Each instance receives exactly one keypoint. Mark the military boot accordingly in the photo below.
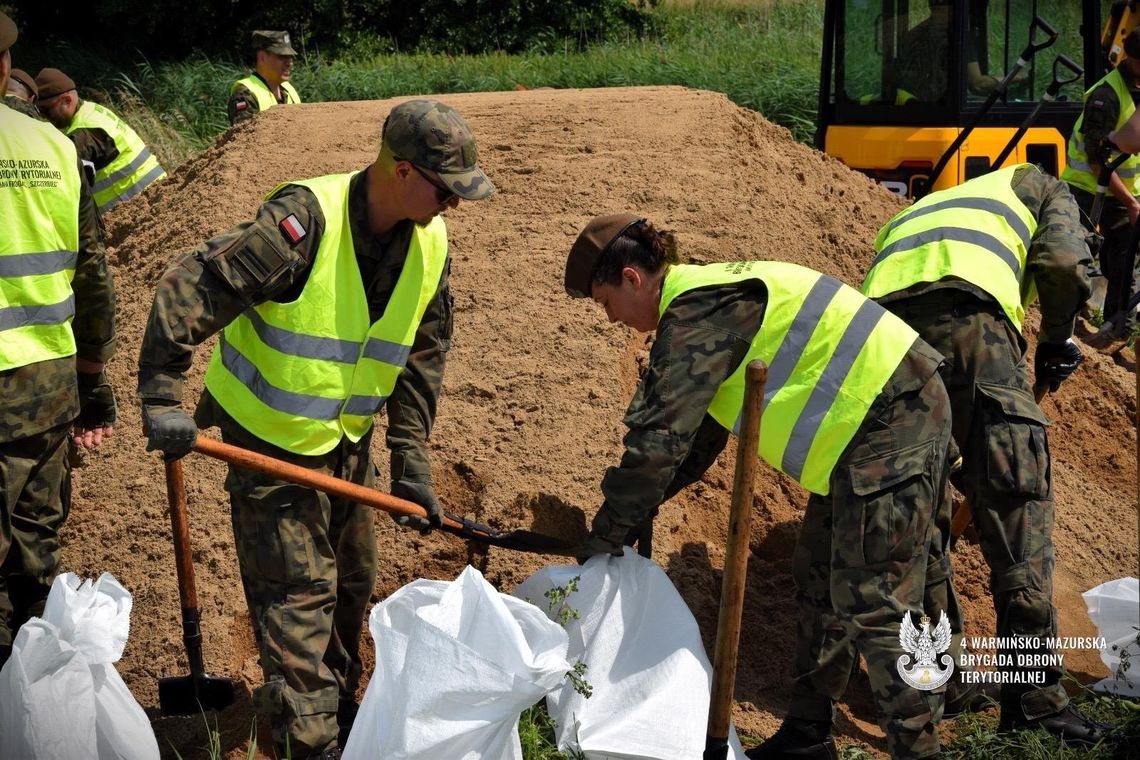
(798, 739)
(1067, 724)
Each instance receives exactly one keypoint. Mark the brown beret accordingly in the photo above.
(592, 242)
(25, 79)
(8, 32)
(52, 82)
(1132, 43)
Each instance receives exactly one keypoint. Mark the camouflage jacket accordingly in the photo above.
(701, 339)
(1058, 258)
(256, 262)
(44, 395)
(243, 104)
(23, 106)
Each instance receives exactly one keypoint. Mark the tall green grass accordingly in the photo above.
(763, 55)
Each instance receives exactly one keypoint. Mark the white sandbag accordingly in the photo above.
(1114, 607)
(645, 663)
(456, 664)
(60, 695)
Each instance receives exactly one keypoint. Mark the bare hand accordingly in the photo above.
(90, 437)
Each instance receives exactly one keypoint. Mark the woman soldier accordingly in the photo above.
(854, 410)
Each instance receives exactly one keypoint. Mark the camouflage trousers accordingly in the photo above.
(308, 565)
(36, 480)
(1005, 474)
(861, 560)
(1113, 257)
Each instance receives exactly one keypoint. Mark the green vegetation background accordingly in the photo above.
(763, 54)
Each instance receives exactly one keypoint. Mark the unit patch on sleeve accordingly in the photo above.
(292, 229)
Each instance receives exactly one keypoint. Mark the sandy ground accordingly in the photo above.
(537, 383)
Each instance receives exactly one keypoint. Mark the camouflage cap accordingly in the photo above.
(434, 137)
(52, 82)
(273, 42)
(592, 242)
(8, 32)
(27, 80)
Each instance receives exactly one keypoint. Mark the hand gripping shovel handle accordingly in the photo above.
(1062, 61)
(963, 515)
(735, 566)
(520, 540)
(1108, 165)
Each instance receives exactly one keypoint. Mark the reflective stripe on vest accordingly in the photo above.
(304, 374)
(829, 352)
(265, 97)
(131, 171)
(39, 206)
(979, 231)
(1078, 172)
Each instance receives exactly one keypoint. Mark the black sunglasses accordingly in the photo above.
(443, 193)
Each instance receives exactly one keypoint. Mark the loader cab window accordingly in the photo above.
(891, 55)
(1000, 31)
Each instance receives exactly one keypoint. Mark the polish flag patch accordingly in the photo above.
(292, 229)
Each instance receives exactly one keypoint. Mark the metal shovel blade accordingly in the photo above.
(190, 695)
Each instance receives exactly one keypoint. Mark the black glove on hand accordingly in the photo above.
(1054, 362)
(169, 429)
(96, 401)
(596, 544)
(422, 494)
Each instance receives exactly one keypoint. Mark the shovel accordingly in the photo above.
(192, 694)
(518, 540)
(735, 566)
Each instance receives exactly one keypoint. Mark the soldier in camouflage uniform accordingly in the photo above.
(21, 93)
(268, 85)
(308, 562)
(959, 267)
(875, 467)
(1102, 113)
(64, 393)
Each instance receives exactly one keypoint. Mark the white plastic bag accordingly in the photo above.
(645, 663)
(60, 695)
(456, 663)
(1114, 607)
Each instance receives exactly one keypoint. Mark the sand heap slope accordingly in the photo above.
(537, 383)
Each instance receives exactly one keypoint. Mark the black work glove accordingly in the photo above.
(169, 429)
(96, 400)
(1054, 362)
(596, 544)
(1106, 151)
(422, 494)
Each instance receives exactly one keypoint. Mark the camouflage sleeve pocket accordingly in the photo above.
(253, 266)
(1017, 456)
(888, 492)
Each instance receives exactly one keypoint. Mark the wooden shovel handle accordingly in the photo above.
(369, 497)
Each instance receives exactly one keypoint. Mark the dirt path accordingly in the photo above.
(537, 383)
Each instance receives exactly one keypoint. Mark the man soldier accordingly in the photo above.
(1108, 105)
(57, 329)
(332, 303)
(122, 163)
(960, 266)
(21, 93)
(269, 84)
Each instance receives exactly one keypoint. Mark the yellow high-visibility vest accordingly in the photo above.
(39, 206)
(131, 171)
(829, 350)
(979, 231)
(304, 374)
(1078, 172)
(265, 98)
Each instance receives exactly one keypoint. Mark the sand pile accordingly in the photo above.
(537, 383)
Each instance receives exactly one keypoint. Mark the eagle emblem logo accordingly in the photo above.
(918, 667)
